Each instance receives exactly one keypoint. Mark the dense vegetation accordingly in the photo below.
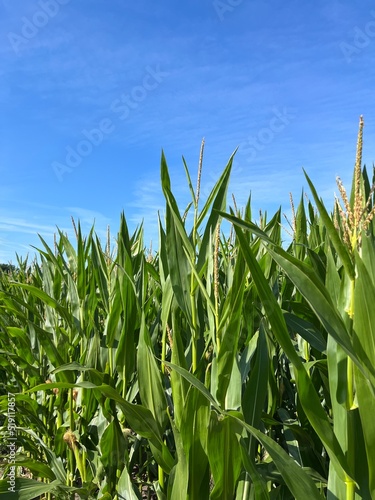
(223, 366)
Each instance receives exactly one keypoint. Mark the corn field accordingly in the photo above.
(223, 366)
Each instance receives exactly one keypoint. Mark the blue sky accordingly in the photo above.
(91, 91)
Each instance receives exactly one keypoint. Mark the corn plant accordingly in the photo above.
(338, 290)
(221, 366)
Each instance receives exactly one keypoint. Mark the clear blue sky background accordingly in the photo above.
(156, 75)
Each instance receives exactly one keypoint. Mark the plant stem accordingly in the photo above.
(123, 383)
(71, 424)
(161, 477)
(110, 360)
(194, 322)
(350, 381)
(216, 284)
(350, 489)
(163, 350)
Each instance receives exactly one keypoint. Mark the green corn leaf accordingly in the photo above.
(247, 355)
(49, 301)
(311, 287)
(177, 243)
(54, 462)
(301, 230)
(308, 395)
(224, 455)
(230, 330)
(75, 366)
(193, 195)
(194, 435)
(38, 469)
(23, 343)
(114, 320)
(172, 204)
(126, 350)
(340, 247)
(149, 376)
(233, 397)
(113, 447)
(100, 272)
(123, 242)
(364, 314)
(256, 389)
(367, 255)
(125, 488)
(295, 477)
(218, 199)
(140, 418)
(201, 284)
(364, 462)
(45, 339)
(258, 482)
(178, 383)
(82, 250)
(179, 476)
(364, 341)
(163, 257)
(26, 489)
(307, 331)
(299, 483)
(195, 382)
(221, 185)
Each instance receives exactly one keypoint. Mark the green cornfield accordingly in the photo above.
(226, 365)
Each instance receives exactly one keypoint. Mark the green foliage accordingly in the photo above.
(220, 367)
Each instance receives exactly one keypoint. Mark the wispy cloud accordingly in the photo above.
(19, 229)
(14, 224)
